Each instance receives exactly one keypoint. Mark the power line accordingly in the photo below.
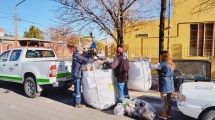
(6, 13)
(23, 16)
(21, 19)
(25, 20)
(6, 9)
(18, 13)
(6, 17)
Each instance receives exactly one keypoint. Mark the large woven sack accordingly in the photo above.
(139, 75)
(99, 88)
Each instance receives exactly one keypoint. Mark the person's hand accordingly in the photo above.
(95, 58)
(101, 62)
(80, 52)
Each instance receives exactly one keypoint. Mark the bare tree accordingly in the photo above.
(110, 16)
(61, 35)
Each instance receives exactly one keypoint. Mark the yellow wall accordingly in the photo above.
(184, 11)
(134, 44)
(179, 41)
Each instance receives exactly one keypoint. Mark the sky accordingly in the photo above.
(31, 12)
(39, 13)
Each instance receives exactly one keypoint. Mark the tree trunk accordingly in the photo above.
(121, 22)
(162, 25)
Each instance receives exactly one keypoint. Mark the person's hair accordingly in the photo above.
(119, 46)
(71, 46)
(167, 58)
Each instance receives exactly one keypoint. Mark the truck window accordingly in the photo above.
(4, 56)
(39, 53)
(15, 55)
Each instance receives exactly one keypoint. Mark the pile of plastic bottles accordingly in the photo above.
(135, 108)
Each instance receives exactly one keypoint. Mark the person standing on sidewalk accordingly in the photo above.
(121, 67)
(166, 84)
(77, 61)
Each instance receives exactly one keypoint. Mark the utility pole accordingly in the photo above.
(162, 25)
(15, 24)
(15, 31)
(168, 27)
(121, 21)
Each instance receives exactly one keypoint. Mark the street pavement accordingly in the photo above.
(54, 104)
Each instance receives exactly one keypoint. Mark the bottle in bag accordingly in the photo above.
(119, 109)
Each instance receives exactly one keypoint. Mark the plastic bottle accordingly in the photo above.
(125, 102)
(119, 109)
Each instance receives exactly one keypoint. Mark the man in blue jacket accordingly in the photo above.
(77, 61)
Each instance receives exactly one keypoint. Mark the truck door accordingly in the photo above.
(3, 62)
(13, 66)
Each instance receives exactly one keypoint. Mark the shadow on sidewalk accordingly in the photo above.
(7, 87)
(55, 94)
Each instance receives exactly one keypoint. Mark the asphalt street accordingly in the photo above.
(54, 104)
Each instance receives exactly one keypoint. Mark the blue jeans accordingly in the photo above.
(122, 91)
(77, 91)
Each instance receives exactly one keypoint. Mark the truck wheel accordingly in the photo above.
(30, 88)
(210, 115)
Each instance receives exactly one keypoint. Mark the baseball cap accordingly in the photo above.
(119, 50)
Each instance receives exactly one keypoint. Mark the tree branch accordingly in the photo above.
(129, 5)
(109, 11)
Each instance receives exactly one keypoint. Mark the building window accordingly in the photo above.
(208, 46)
(201, 39)
(193, 39)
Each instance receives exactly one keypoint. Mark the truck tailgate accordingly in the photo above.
(63, 70)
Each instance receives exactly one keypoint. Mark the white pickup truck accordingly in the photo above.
(35, 68)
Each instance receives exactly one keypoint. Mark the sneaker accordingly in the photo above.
(79, 106)
(169, 116)
(169, 113)
(163, 115)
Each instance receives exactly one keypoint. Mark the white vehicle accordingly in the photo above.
(197, 100)
(35, 68)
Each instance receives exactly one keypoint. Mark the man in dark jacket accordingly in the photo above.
(77, 61)
(121, 66)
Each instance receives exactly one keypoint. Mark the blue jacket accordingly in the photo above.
(77, 61)
(166, 83)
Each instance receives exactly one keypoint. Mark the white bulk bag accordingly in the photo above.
(139, 75)
(98, 88)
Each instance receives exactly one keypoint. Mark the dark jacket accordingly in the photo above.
(120, 66)
(77, 61)
(166, 83)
